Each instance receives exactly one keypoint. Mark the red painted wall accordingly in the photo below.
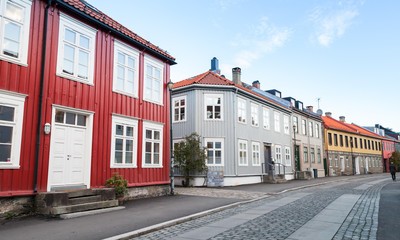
(387, 149)
(98, 98)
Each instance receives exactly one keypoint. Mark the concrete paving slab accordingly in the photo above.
(229, 222)
(317, 230)
(332, 216)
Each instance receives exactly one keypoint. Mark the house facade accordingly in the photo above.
(351, 149)
(81, 97)
(244, 131)
(308, 140)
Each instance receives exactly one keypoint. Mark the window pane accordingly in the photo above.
(148, 134)
(156, 147)
(128, 157)
(6, 113)
(69, 55)
(129, 131)
(70, 36)
(70, 118)
(14, 12)
(130, 82)
(148, 158)
(210, 144)
(120, 78)
(83, 71)
(118, 157)
(209, 112)
(182, 114)
(182, 102)
(5, 134)
(156, 135)
(176, 114)
(156, 158)
(131, 62)
(129, 145)
(5, 153)
(11, 39)
(84, 42)
(217, 112)
(210, 157)
(149, 70)
(218, 160)
(119, 130)
(119, 144)
(83, 64)
(81, 120)
(59, 118)
(148, 147)
(121, 58)
(217, 144)
(157, 73)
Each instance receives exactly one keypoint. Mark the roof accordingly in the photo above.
(332, 123)
(85, 8)
(211, 78)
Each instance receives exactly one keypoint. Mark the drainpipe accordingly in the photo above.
(42, 72)
(234, 131)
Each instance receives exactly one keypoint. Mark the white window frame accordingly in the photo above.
(305, 154)
(242, 110)
(266, 120)
(304, 127)
(336, 161)
(319, 155)
(312, 155)
(317, 130)
(82, 29)
(214, 149)
(214, 96)
(124, 121)
(153, 127)
(296, 123)
(244, 150)
(17, 101)
(153, 63)
(278, 154)
(277, 122)
(254, 114)
(286, 128)
(255, 153)
(288, 161)
(310, 128)
(131, 52)
(22, 58)
(330, 161)
(179, 107)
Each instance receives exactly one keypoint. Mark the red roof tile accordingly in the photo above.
(211, 78)
(83, 6)
(332, 123)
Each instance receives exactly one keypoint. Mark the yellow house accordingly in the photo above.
(351, 149)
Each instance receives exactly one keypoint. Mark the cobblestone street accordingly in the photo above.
(283, 216)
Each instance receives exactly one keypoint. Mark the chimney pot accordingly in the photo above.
(328, 114)
(310, 108)
(342, 118)
(256, 84)
(236, 72)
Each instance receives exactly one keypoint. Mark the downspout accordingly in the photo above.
(235, 134)
(39, 126)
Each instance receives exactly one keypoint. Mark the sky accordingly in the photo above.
(345, 53)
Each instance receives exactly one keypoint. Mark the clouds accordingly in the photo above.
(263, 38)
(331, 23)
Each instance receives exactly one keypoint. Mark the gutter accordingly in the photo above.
(85, 16)
(42, 72)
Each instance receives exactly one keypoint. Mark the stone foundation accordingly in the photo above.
(14, 206)
(147, 192)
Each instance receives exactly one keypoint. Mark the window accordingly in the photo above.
(11, 118)
(254, 114)
(351, 142)
(215, 151)
(153, 80)
(179, 106)
(241, 110)
(347, 161)
(296, 124)
(304, 125)
(376, 146)
(213, 106)
(310, 129)
(319, 155)
(76, 46)
(126, 65)
(312, 155)
(15, 18)
(361, 143)
(369, 144)
(242, 153)
(286, 124)
(266, 118)
(373, 161)
(255, 146)
(330, 160)
(277, 121)
(372, 145)
(69, 118)
(317, 130)
(379, 146)
(362, 161)
(346, 141)
(355, 143)
(365, 143)
(335, 139)
(336, 161)
(369, 162)
(330, 139)
(124, 142)
(287, 156)
(278, 154)
(305, 155)
(152, 145)
(341, 140)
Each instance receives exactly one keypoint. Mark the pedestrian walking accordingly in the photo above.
(392, 170)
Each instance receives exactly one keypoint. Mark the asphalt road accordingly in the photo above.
(389, 212)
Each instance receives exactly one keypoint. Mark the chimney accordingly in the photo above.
(319, 112)
(256, 84)
(342, 118)
(215, 66)
(310, 108)
(328, 114)
(236, 72)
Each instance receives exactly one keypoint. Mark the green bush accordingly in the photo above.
(119, 183)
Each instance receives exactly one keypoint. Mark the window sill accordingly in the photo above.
(152, 166)
(13, 60)
(8, 166)
(69, 77)
(125, 93)
(123, 166)
(154, 102)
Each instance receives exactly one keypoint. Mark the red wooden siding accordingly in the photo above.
(98, 98)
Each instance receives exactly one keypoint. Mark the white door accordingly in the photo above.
(69, 150)
(342, 163)
(357, 162)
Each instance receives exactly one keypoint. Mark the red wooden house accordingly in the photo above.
(388, 147)
(81, 97)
